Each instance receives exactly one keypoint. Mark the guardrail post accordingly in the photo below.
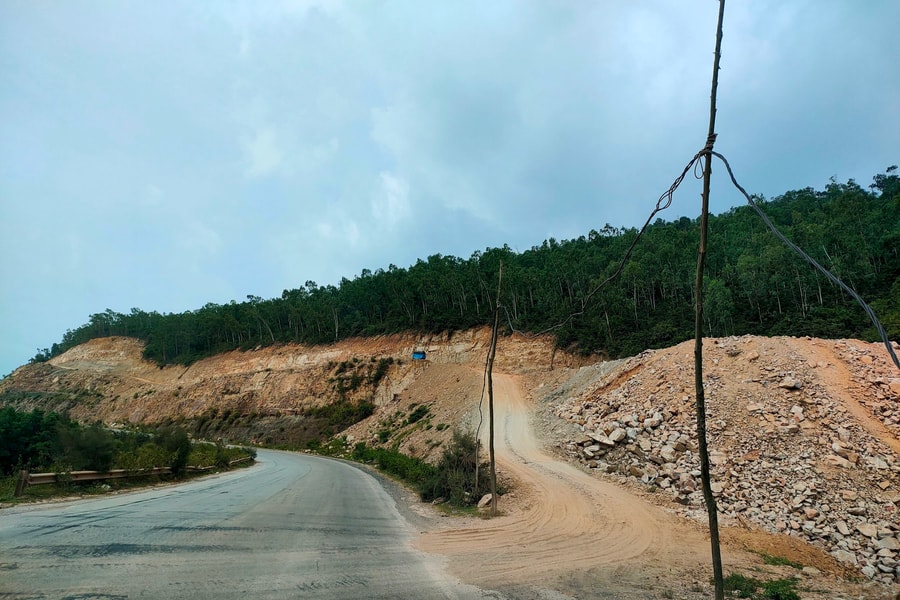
(21, 483)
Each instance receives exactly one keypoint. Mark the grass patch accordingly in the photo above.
(452, 479)
(341, 414)
(741, 585)
(771, 559)
(780, 589)
(749, 587)
(407, 468)
(419, 413)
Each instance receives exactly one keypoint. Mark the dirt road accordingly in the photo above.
(564, 530)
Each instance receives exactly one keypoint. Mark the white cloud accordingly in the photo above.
(152, 196)
(263, 154)
(310, 159)
(351, 233)
(391, 205)
(325, 230)
(300, 8)
(198, 238)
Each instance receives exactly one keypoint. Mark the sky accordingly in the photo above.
(164, 155)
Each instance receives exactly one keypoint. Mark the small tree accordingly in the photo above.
(91, 448)
(175, 440)
(453, 477)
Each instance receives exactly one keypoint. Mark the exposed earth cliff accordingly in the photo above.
(804, 432)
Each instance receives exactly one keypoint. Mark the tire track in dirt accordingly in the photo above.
(563, 520)
(844, 385)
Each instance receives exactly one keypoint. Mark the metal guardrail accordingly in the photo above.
(26, 479)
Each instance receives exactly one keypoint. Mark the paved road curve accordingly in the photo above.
(293, 526)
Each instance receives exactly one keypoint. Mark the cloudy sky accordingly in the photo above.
(163, 155)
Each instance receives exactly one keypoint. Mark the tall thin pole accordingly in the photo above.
(698, 325)
(490, 390)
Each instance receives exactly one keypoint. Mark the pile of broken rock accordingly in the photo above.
(786, 452)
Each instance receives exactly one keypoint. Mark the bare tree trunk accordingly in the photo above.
(490, 390)
(698, 326)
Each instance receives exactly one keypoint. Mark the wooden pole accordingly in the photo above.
(21, 483)
(490, 389)
(698, 326)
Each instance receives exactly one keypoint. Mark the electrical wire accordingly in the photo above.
(833, 278)
(664, 202)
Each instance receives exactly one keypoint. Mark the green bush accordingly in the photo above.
(771, 559)
(175, 441)
(411, 470)
(343, 413)
(147, 456)
(216, 455)
(419, 413)
(28, 440)
(454, 476)
(741, 585)
(381, 370)
(780, 589)
(90, 448)
(746, 587)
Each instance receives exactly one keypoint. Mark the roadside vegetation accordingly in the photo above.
(39, 441)
(741, 586)
(451, 479)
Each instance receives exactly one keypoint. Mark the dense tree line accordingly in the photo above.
(49, 441)
(754, 285)
(39, 440)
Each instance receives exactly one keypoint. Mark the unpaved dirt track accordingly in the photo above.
(565, 530)
(839, 379)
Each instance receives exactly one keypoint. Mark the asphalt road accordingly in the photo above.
(292, 526)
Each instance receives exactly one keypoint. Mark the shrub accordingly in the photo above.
(147, 456)
(417, 414)
(771, 559)
(29, 440)
(412, 470)
(454, 475)
(746, 587)
(343, 413)
(780, 589)
(91, 448)
(741, 585)
(381, 370)
(176, 442)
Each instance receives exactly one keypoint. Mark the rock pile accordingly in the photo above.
(786, 452)
(883, 383)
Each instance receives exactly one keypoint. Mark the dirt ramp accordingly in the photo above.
(561, 522)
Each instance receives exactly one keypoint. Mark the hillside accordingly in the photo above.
(273, 395)
(805, 432)
(755, 285)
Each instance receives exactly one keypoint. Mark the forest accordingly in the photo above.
(49, 441)
(754, 285)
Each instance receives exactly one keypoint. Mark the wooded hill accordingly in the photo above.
(754, 285)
